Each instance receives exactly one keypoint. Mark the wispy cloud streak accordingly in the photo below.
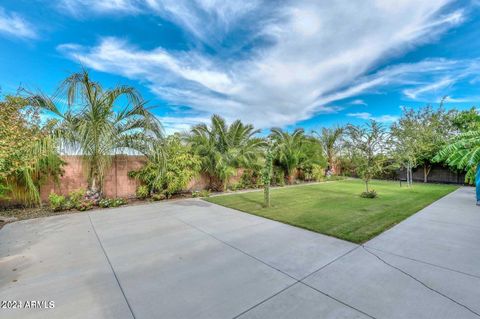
(307, 60)
(14, 25)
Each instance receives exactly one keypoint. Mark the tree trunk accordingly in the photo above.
(290, 177)
(408, 175)
(266, 195)
(426, 171)
(366, 185)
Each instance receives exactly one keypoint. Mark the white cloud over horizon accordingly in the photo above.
(311, 61)
(14, 25)
(368, 116)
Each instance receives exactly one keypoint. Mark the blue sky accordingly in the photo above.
(271, 63)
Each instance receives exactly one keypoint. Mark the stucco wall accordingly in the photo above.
(117, 183)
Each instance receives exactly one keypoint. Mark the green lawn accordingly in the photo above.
(336, 209)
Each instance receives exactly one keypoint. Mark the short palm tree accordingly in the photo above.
(288, 150)
(464, 153)
(94, 126)
(329, 141)
(225, 148)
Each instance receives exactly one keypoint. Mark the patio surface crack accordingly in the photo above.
(420, 282)
(111, 267)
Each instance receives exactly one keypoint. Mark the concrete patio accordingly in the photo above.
(193, 259)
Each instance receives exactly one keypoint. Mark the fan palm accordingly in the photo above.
(289, 151)
(95, 127)
(329, 141)
(225, 148)
(464, 153)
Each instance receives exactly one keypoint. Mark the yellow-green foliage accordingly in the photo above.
(57, 202)
(142, 192)
(181, 166)
(28, 154)
(171, 171)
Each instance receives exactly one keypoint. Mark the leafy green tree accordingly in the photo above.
(367, 147)
(172, 169)
(419, 135)
(329, 140)
(467, 120)
(28, 153)
(96, 127)
(224, 148)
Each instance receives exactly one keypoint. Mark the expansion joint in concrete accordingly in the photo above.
(420, 282)
(111, 267)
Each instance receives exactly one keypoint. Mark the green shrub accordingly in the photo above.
(76, 196)
(142, 192)
(171, 172)
(202, 193)
(69, 205)
(235, 187)
(57, 202)
(318, 173)
(118, 202)
(159, 196)
(369, 194)
(112, 202)
(249, 179)
(85, 205)
(278, 178)
(105, 202)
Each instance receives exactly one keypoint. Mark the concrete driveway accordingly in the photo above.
(193, 259)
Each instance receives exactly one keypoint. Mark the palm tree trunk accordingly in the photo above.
(477, 184)
(290, 178)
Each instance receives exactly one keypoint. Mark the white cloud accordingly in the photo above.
(172, 124)
(81, 7)
(369, 116)
(308, 59)
(14, 25)
(207, 20)
(358, 102)
(438, 86)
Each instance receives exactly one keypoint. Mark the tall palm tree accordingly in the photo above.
(289, 151)
(463, 152)
(224, 148)
(329, 141)
(94, 126)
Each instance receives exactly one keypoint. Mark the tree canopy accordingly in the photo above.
(95, 126)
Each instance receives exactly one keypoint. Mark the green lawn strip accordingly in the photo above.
(336, 209)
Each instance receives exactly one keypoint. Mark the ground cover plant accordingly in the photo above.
(337, 209)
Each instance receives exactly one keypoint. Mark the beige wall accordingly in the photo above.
(117, 183)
